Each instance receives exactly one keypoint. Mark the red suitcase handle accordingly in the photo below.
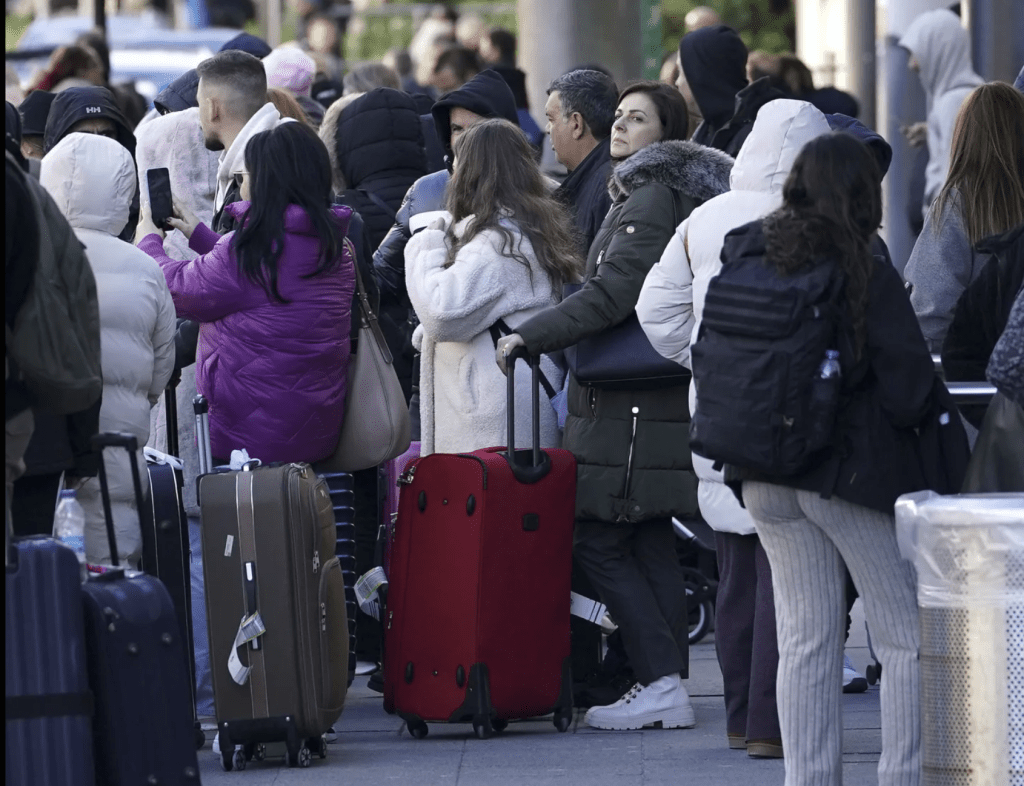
(540, 462)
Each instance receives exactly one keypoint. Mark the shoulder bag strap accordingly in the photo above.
(369, 318)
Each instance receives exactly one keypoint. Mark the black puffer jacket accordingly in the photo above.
(376, 148)
(652, 192)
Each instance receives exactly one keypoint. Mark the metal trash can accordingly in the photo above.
(969, 555)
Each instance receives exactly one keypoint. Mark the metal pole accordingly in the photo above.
(274, 22)
(860, 47)
(996, 26)
(651, 36)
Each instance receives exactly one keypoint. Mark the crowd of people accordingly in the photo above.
(423, 173)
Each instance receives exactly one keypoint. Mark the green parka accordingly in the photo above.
(652, 192)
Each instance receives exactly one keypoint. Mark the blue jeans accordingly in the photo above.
(200, 634)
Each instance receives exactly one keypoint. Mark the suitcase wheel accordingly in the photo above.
(200, 738)
(499, 725)
(563, 720)
(259, 752)
(302, 758)
(321, 746)
(238, 759)
(483, 727)
(418, 729)
(874, 672)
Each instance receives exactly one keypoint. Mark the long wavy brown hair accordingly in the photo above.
(831, 210)
(986, 163)
(497, 180)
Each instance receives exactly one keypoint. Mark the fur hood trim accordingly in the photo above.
(699, 172)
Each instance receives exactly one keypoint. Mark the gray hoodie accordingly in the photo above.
(942, 48)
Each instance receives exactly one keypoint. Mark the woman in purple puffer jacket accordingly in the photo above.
(273, 300)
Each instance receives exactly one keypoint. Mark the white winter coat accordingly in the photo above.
(672, 300)
(942, 48)
(463, 393)
(175, 141)
(92, 180)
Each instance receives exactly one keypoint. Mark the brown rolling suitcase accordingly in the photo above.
(275, 601)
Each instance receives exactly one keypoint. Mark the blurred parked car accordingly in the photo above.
(144, 49)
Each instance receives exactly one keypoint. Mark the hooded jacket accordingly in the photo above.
(274, 373)
(232, 160)
(652, 192)
(463, 403)
(672, 300)
(175, 141)
(942, 48)
(486, 94)
(179, 94)
(92, 180)
(714, 61)
(376, 147)
(86, 103)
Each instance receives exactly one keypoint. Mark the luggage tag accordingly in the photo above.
(367, 588)
(249, 628)
(587, 609)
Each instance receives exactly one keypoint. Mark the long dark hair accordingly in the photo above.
(497, 177)
(832, 207)
(287, 165)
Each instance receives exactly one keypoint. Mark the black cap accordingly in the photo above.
(34, 111)
(246, 42)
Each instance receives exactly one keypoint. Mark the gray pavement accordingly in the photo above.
(373, 749)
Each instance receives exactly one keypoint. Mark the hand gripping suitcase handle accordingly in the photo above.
(130, 443)
(540, 463)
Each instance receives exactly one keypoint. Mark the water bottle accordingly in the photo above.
(824, 402)
(829, 367)
(69, 526)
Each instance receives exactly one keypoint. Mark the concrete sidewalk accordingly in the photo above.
(373, 749)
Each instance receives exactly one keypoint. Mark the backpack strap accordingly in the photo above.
(500, 329)
(392, 214)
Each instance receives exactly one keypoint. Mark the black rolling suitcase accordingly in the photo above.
(48, 702)
(143, 724)
(166, 553)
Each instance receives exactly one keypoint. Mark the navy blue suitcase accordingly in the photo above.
(143, 725)
(48, 702)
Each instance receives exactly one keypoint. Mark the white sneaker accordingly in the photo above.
(365, 667)
(216, 744)
(665, 702)
(853, 682)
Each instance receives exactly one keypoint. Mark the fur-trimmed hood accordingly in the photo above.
(699, 172)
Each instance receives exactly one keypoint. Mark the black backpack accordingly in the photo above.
(761, 404)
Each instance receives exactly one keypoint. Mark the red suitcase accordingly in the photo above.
(389, 474)
(477, 622)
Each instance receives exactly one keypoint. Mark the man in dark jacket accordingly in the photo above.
(484, 96)
(580, 112)
(713, 80)
(92, 110)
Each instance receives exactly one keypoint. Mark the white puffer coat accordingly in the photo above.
(92, 180)
(463, 394)
(672, 300)
(175, 141)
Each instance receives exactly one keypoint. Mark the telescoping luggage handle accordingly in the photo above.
(540, 462)
(130, 443)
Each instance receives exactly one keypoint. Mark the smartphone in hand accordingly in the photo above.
(160, 196)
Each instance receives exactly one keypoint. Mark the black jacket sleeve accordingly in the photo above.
(897, 350)
(389, 259)
(82, 427)
(644, 227)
